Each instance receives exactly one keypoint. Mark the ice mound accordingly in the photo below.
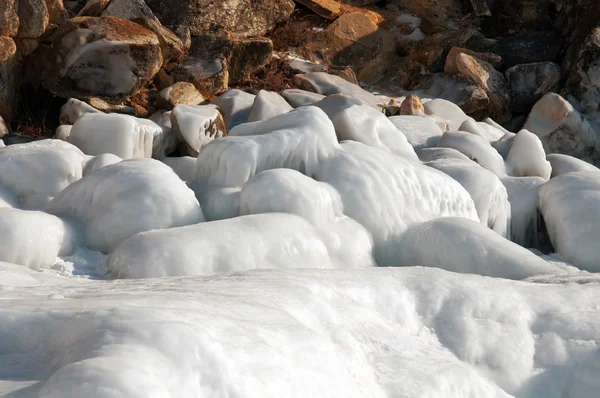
(100, 161)
(420, 132)
(8, 198)
(197, 125)
(378, 332)
(487, 191)
(356, 121)
(447, 110)
(235, 106)
(122, 135)
(34, 239)
(37, 171)
(297, 98)
(12, 275)
(387, 194)
(462, 245)
(297, 140)
(433, 154)
(218, 203)
(327, 84)
(123, 199)
(475, 148)
(267, 105)
(73, 109)
(482, 129)
(184, 167)
(563, 164)
(526, 157)
(274, 240)
(569, 204)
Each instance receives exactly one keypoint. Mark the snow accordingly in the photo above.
(34, 239)
(8, 198)
(297, 98)
(218, 203)
(272, 241)
(387, 194)
(526, 157)
(296, 140)
(267, 105)
(197, 125)
(419, 131)
(563, 164)
(446, 110)
(356, 121)
(100, 161)
(37, 171)
(475, 148)
(569, 204)
(109, 202)
(235, 106)
(462, 245)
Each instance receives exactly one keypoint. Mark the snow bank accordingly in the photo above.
(34, 239)
(297, 140)
(267, 105)
(486, 190)
(563, 164)
(37, 171)
(356, 121)
(274, 240)
(569, 204)
(419, 131)
(462, 245)
(526, 157)
(235, 106)
(100, 161)
(378, 332)
(123, 199)
(475, 148)
(386, 194)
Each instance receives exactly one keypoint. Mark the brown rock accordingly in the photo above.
(248, 55)
(56, 12)
(450, 65)
(345, 72)
(3, 127)
(122, 58)
(181, 93)
(209, 75)
(583, 81)
(412, 105)
(33, 18)
(9, 18)
(481, 8)
(93, 8)
(244, 18)
(9, 78)
(105, 107)
(329, 9)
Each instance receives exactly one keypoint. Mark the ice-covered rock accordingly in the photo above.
(180, 93)
(296, 97)
(327, 84)
(184, 167)
(100, 161)
(196, 126)
(482, 129)
(569, 205)
(218, 203)
(8, 198)
(63, 132)
(34, 239)
(436, 153)
(12, 275)
(108, 202)
(235, 106)
(267, 105)
(296, 140)
(37, 171)
(275, 240)
(387, 194)
(419, 131)
(74, 109)
(462, 245)
(356, 121)
(526, 157)
(563, 164)
(475, 148)
(446, 110)
(162, 118)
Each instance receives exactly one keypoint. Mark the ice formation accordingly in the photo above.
(296, 140)
(484, 130)
(462, 245)
(100, 161)
(526, 157)
(8, 198)
(419, 131)
(184, 167)
(218, 203)
(235, 106)
(297, 98)
(563, 164)
(446, 110)
(272, 241)
(197, 125)
(327, 84)
(386, 194)
(267, 105)
(123, 199)
(475, 148)
(74, 109)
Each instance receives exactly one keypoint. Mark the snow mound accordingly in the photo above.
(433, 154)
(563, 164)
(297, 98)
(288, 191)
(235, 106)
(218, 203)
(8, 198)
(462, 245)
(100, 161)
(122, 135)
(34, 239)
(356, 121)
(37, 171)
(526, 157)
(386, 194)
(327, 84)
(267, 105)
(475, 148)
(297, 140)
(123, 199)
(184, 167)
(197, 125)
(487, 191)
(274, 240)
(419, 131)
(447, 110)
(569, 204)
(12, 275)
(482, 129)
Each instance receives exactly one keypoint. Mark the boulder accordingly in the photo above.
(247, 18)
(529, 47)
(412, 105)
(583, 82)
(529, 82)
(329, 9)
(33, 18)
(105, 57)
(9, 18)
(93, 8)
(3, 128)
(196, 126)
(9, 78)
(56, 12)
(181, 93)
(490, 58)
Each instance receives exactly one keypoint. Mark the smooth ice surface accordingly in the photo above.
(482, 129)
(8, 198)
(475, 148)
(569, 204)
(462, 245)
(297, 98)
(446, 110)
(526, 157)
(326, 84)
(525, 221)
(218, 203)
(271, 241)
(235, 106)
(296, 140)
(122, 135)
(267, 105)
(419, 131)
(100, 161)
(123, 199)
(37, 171)
(34, 239)
(563, 164)
(184, 167)
(386, 194)
(356, 121)
(74, 109)
(487, 191)
(378, 332)
(196, 124)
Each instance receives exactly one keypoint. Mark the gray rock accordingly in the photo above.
(530, 82)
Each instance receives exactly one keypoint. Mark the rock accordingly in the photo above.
(93, 8)
(248, 55)
(183, 32)
(235, 106)
(326, 84)
(529, 82)
(3, 128)
(73, 110)
(33, 18)
(247, 18)
(488, 78)
(583, 82)
(412, 105)
(359, 3)
(481, 8)
(104, 57)
(329, 9)
(355, 40)
(197, 126)
(209, 75)
(56, 12)
(490, 58)
(181, 93)
(27, 46)
(103, 106)
(527, 48)
(437, 11)
(9, 18)
(297, 98)
(267, 105)
(9, 78)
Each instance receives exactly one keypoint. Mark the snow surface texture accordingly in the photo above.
(380, 332)
(108, 202)
(267, 105)
(235, 106)
(296, 140)
(462, 245)
(569, 204)
(37, 171)
(386, 194)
